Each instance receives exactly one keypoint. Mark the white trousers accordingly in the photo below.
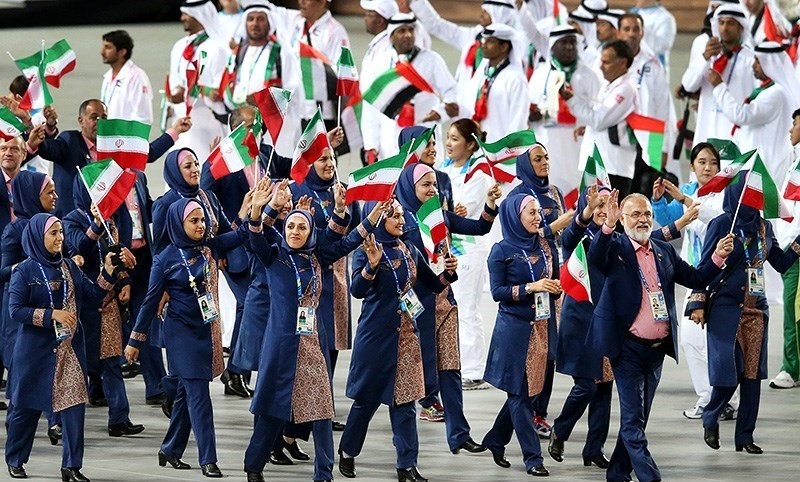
(472, 274)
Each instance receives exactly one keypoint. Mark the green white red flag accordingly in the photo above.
(393, 88)
(415, 147)
(273, 103)
(193, 89)
(504, 171)
(310, 147)
(108, 185)
(347, 75)
(726, 176)
(59, 61)
(431, 226)
(509, 147)
(575, 275)
(792, 191)
(124, 141)
(351, 121)
(229, 75)
(231, 155)
(38, 94)
(319, 79)
(376, 181)
(649, 133)
(760, 192)
(10, 125)
(595, 171)
(252, 139)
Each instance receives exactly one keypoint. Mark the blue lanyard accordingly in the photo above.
(206, 272)
(252, 67)
(300, 283)
(394, 273)
(536, 196)
(733, 66)
(49, 291)
(545, 270)
(644, 281)
(747, 245)
(319, 201)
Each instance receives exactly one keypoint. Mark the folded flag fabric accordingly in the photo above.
(726, 176)
(108, 185)
(37, 96)
(792, 191)
(376, 181)
(649, 133)
(726, 148)
(595, 171)
(319, 79)
(346, 75)
(415, 147)
(252, 139)
(351, 121)
(273, 102)
(504, 171)
(760, 192)
(575, 276)
(309, 148)
(10, 125)
(193, 89)
(60, 60)
(432, 228)
(509, 147)
(124, 141)
(393, 88)
(231, 155)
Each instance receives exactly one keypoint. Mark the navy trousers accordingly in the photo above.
(749, 401)
(637, 371)
(516, 414)
(151, 360)
(22, 423)
(596, 397)
(192, 412)
(114, 391)
(542, 400)
(404, 431)
(238, 283)
(455, 422)
(267, 430)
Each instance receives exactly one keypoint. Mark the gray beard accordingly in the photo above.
(640, 238)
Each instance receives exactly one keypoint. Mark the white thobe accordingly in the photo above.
(129, 95)
(507, 111)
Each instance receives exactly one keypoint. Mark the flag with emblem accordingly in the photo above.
(415, 147)
(649, 133)
(192, 87)
(727, 175)
(509, 147)
(575, 275)
(376, 181)
(393, 88)
(59, 61)
(431, 226)
(346, 75)
(312, 144)
(319, 79)
(792, 191)
(252, 139)
(124, 141)
(10, 125)
(37, 96)
(108, 184)
(761, 192)
(273, 102)
(595, 171)
(231, 155)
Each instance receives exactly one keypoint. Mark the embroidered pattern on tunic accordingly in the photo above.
(487, 217)
(700, 297)
(341, 305)
(750, 336)
(110, 327)
(536, 358)
(447, 351)
(69, 380)
(409, 383)
(217, 364)
(135, 335)
(336, 227)
(362, 231)
(665, 231)
(515, 292)
(795, 247)
(608, 373)
(91, 234)
(367, 276)
(255, 229)
(38, 317)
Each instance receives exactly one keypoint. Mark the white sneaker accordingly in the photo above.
(783, 380)
(694, 413)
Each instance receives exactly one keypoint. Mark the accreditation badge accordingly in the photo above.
(207, 308)
(542, 305)
(659, 306)
(409, 302)
(306, 320)
(755, 281)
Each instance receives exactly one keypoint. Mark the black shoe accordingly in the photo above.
(130, 370)
(17, 472)
(154, 400)
(539, 471)
(277, 457)
(750, 448)
(166, 406)
(211, 471)
(470, 446)
(54, 434)
(347, 466)
(410, 475)
(338, 426)
(295, 451)
(175, 462)
(127, 428)
(3, 406)
(599, 460)
(254, 476)
(711, 437)
(72, 475)
(98, 402)
(501, 460)
(556, 448)
(233, 384)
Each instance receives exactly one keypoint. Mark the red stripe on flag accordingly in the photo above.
(119, 191)
(303, 165)
(370, 192)
(408, 72)
(640, 122)
(309, 51)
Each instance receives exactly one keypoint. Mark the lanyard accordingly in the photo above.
(733, 66)
(394, 273)
(747, 246)
(299, 282)
(49, 291)
(206, 272)
(644, 281)
(545, 270)
(114, 83)
(324, 211)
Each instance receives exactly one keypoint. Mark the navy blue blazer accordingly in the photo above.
(621, 296)
(68, 152)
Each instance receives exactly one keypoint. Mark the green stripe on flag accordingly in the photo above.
(379, 84)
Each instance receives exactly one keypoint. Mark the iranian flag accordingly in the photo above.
(725, 176)
(59, 61)
(649, 134)
(351, 122)
(431, 226)
(594, 172)
(575, 275)
(393, 88)
(273, 102)
(231, 155)
(108, 185)
(10, 125)
(38, 94)
(726, 148)
(760, 192)
(319, 79)
(193, 89)
(347, 75)
(376, 181)
(124, 141)
(229, 74)
(509, 147)
(792, 191)
(505, 171)
(415, 147)
(252, 139)
(309, 148)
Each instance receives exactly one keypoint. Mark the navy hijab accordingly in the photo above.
(525, 172)
(405, 190)
(177, 234)
(748, 219)
(33, 241)
(311, 241)
(174, 178)
(26, 188)
(316, 183)
(408, 133)
(381, 235)
(514, 233)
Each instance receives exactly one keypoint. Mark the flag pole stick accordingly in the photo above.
(741, 196)
(104, 223)
(491, 168)
(269, 160)
(339, 113)
(12, 57)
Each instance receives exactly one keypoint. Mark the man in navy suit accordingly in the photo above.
(635, 332)
(74, 149)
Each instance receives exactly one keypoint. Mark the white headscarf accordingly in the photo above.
(737, 13)
(777, 65)
(560, 32)
(254, 6)
(504, 32)
(594, 6)
(612, 16)
(400, 19)
(501, 11)
(205, 12)
(586, 21)
(385, 8)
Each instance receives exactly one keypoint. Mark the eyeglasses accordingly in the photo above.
(636, 215)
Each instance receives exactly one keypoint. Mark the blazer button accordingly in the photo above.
(398, 329)
(742, 288)
(741, 305)
(531, 323)
(399, 312)
(55, 350)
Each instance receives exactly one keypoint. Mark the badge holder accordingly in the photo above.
(542, 305)
(659, 306)
(306, 320)
(207, 308)
(755, 281)
(409, 302)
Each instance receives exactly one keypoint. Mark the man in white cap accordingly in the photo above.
(206, 47)
(492, 96)
(660, 28)
(726, 52)
(551, 118)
